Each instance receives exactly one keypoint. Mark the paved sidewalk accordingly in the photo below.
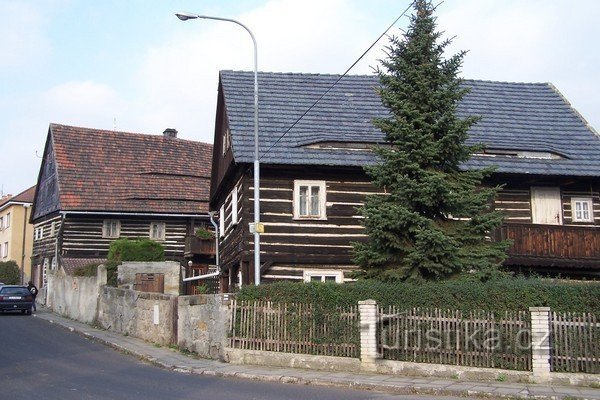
(174, 360)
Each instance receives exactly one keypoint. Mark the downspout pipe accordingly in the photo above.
(216, 226)
(25, 209)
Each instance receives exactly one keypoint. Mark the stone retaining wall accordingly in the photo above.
(148, 316)
(203, 324)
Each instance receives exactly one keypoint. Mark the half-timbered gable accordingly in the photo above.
(312, 180)
(96, 186)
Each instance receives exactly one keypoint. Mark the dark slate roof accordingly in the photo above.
(515, 116)
(110, 171)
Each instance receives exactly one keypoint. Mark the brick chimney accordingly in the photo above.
(170, 132)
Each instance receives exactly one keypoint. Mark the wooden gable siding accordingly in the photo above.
(82, 237)
(220, 162)
(46, 198)
(46, 245)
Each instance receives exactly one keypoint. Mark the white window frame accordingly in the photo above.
(162, 228)
(322, 199)
(1, 223)
(583, 200)
(222, 221)
(7, 221)
(308, 274)
(107, 230)
(38, 233)
(5, 250)
(234, 206)
(226, 140)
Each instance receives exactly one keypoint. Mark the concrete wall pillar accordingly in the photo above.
(368, 334)
(540, 343)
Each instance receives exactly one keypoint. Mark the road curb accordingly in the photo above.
(295, 380)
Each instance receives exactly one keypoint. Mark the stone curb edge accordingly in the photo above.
(376, 387)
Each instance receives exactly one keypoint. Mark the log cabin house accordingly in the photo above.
(312, 179)
(95, 186)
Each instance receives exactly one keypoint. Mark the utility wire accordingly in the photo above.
(336, 82)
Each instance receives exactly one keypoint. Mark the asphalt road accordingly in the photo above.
(39, 360)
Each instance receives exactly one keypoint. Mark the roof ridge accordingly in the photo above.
(123, 133)
(577, 113)
(279, 73)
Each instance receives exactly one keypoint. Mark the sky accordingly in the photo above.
(133, 66)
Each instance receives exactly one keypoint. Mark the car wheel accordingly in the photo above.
(28, 312)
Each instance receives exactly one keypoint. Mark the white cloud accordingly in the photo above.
(22, 39)
(85, 103)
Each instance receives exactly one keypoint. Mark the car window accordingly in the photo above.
(14, 290)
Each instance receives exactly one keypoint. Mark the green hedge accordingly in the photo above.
(136, 250)
(494, 295)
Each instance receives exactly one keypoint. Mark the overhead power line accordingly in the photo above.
(336, 82)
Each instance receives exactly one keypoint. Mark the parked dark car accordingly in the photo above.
(15, 298)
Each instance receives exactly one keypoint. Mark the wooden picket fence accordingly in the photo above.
(295, 328)
(575, 339)
(476, 339)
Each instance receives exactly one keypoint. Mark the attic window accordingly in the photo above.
(541, 155)
(226, 140)
(352, 146)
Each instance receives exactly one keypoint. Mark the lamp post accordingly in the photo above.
(184, 17)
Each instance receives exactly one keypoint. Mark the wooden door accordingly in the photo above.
(546, 205)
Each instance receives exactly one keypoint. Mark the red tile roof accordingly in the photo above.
(110, 171)
(25, 196)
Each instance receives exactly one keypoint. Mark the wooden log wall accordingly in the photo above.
(515, 199)
(82, 237)
(46, 245)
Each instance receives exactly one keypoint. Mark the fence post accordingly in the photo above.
(368, 334)
(540, 343)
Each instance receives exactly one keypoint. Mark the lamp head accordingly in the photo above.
(184, 16)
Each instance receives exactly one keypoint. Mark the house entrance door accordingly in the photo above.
(546, 206)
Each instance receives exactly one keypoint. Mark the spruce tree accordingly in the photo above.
(434, 218)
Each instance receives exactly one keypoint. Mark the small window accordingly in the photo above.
(226, 140)
(309, 199)
(5, 250)
(38, 233)
(1, 223)
(323, 276)
(157, 230)
(582, 210)
(7, 221)
(111, 228)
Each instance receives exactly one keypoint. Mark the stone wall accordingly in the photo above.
(148, 316)
(203, 324)
(74, 297)
(170, 269)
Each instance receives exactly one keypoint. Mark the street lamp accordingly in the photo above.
(184, 16)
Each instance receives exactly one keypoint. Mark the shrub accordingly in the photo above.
(9, 273)
(203, 233)
(494, 295)
(136, 250)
